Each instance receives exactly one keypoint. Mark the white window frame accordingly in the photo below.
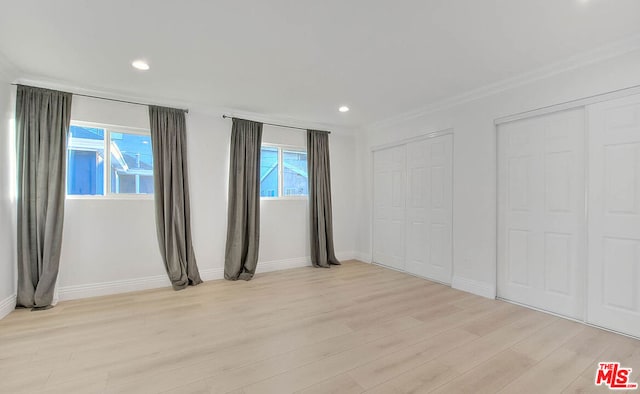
(281, 148)
(108, 195)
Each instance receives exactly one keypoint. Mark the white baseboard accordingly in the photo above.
(158, 281)
(277, 265)
(115, 287)
(212, 274)
(347, 255)
(473, 286)
(7, 305)
(361, 256)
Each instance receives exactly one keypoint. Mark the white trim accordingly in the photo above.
(112, 196)
(587, 186)
(406, 141)
(496, 244)
(572, 104)
(281, 174)
(284, 198)
(402, 271)
(473, 286)
(212, 274)
(112, 127)
(116, 287)
(159, 281)
(127, 285)
(362, 256)
(278, 265)
(100, 93)
(566, 317)
(372, 208)
(8, 70)
(292, 122)
(347, 255)
(7, 305)
(287, 147)
(602, 53)
(68, 86)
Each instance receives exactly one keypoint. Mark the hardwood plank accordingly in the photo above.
(583, 385)
(542, 343)
(551, 375)
(341, 384)
(422, 379)
(486, 347)
(385, 368)
(352, 328)
(491, 375)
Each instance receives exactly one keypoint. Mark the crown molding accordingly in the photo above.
(8, 70)
(201, 108)
(609, 51)
(293, 122)
(70, 87)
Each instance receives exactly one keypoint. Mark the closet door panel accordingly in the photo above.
(389, 207)
(418, 202)
(429, 209)
(440, 209)
(614, 215)
(541, 226)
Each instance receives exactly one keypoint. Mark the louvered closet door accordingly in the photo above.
(429, 208)
(614, 215)
(541, 212)
(389, 185)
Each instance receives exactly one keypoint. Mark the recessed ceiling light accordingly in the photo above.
(140, 65)
(344, 108)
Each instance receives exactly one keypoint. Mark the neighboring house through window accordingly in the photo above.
(103, 161)
(283, 172)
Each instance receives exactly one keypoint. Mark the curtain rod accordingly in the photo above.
(109, 99)
(225, 116)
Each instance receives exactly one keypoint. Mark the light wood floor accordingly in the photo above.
(350, 329)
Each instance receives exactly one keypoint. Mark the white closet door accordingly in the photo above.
(389, 206)
(429, 208)
(614, 215)
(541, 209)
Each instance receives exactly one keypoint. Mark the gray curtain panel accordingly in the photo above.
(322, 252)
(171, 182)
(243, 224)
(42, 124)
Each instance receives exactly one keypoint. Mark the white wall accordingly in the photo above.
(97, 257)
(100, 256)
(7, 198)
(474, 227)
(107, 241)
(275, 237)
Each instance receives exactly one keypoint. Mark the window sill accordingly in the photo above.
(136, 197)
(286, 198)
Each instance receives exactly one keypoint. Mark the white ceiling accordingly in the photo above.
(302, 59)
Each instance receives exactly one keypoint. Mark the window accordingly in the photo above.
(283, 172)
(102, 161)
